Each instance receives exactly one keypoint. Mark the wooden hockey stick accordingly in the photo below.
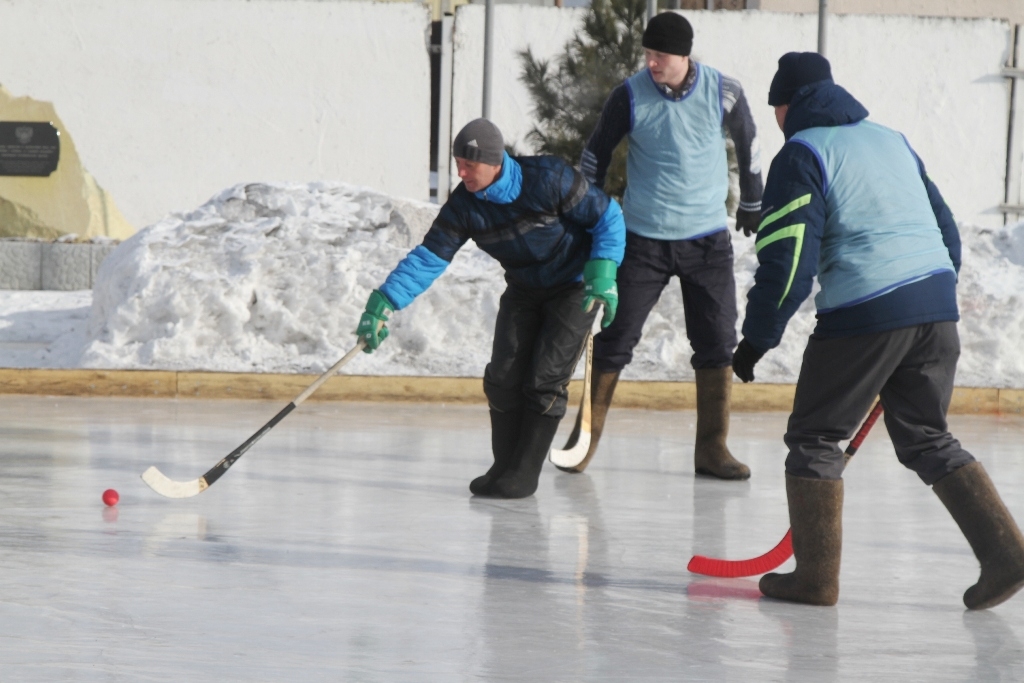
(710, 566)
(574, 453)
(186, 489)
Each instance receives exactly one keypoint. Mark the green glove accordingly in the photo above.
(599, 287)
(371, 326)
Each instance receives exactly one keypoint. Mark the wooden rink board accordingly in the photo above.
(752, 397)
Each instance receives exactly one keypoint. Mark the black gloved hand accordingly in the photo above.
(747, 221)
(744, 360)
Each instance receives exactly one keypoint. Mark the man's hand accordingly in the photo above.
(747, 221)
(599, 287)
(371, 326)
(744, 360)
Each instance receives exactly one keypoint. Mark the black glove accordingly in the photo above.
(747, 221)
(744, 360)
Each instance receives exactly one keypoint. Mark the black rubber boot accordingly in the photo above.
(601, 392)
(536, 434)
(816, 518)
(710, 454)
(974, 503)
(504, 438)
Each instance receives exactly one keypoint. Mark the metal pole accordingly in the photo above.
(488, 55)
(822, 26)
(710, 5)
(444, 113)
(652, 9)
(1015, 136)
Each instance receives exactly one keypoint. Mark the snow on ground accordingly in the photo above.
(273, 277)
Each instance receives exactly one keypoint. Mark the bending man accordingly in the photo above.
(560, 241)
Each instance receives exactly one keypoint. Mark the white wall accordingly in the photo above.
(936, 80)
(170, 101)
(516, 27)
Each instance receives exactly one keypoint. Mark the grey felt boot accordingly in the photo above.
(601, 392)
(816, 518)
(710, 454)
(974, 503)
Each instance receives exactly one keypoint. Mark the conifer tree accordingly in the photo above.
(568, 96)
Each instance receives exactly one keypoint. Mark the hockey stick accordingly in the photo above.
(574, 453)
(186, 489)
(710, 566)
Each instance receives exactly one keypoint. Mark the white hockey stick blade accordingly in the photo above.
(571, 457)
(574, 455)
(169, 488)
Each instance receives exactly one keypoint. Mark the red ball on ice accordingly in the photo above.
(110, 497)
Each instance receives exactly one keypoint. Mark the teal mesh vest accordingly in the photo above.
(880, 232)
(677, 174)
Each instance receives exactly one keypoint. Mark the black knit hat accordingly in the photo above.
(797, 69)
(479, 140)
(670, 33)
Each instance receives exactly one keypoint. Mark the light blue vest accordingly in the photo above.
(880, 233)
(677, 173)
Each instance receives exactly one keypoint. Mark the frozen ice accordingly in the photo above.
(345, 547)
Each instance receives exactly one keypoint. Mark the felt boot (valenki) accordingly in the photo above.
(816, 518)
(711, 456)
(535, 436)
(505, 429)
(971, 498)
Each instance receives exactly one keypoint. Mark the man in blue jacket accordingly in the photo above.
(560, 241)
(676, 114)
(849, 201)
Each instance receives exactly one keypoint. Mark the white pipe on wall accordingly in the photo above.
(488, 56)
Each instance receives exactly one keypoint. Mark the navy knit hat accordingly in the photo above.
(797, 69)
(670, 33)
(480, 140)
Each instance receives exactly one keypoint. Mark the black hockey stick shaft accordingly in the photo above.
(215, 472)
(218, 470)
(862, 433)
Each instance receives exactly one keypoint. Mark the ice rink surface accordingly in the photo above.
(346, 547)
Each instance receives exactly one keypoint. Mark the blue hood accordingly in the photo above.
(822, 104)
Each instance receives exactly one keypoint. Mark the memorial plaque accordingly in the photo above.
(28, 148)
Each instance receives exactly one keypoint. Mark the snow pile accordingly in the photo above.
(273, 278)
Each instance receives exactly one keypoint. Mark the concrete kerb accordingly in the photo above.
(57, 266)
(281, 387)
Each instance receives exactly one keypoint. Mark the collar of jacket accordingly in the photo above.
(822, 104)
(507, 187)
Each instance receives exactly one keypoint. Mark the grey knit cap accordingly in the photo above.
(479, 140)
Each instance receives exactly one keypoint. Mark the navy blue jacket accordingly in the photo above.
(780, 285)
(540, 219)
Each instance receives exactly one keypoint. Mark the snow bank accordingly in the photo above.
(272, 278)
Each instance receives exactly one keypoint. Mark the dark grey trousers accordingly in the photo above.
(705, 270)
(538, 339)
(911, 369)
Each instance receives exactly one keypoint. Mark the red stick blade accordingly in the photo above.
(730, 569)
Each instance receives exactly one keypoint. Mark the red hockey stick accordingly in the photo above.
(710, 566)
